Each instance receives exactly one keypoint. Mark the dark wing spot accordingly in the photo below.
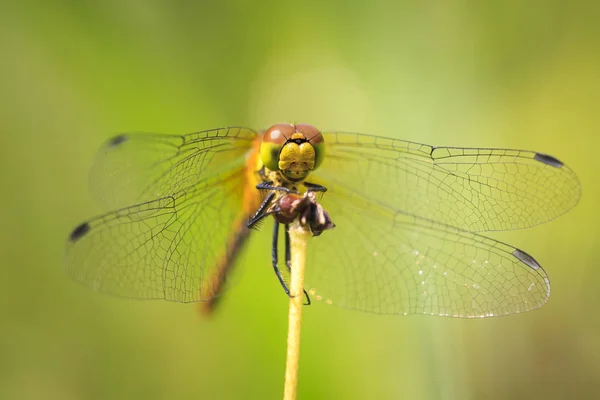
(526, 259)
(78, 232)
(117, 140)
(548, 160)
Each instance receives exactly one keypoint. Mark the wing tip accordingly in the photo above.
(526, 259)
(117, 140)
(548, 160)
(80, 231)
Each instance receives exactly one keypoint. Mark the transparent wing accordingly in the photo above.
(387, 262)
(138, 167)
(169, 248)
(472, 189)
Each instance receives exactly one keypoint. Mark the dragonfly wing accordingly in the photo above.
(133, 168)
(166, 248)
(387, 262)
(473, 189)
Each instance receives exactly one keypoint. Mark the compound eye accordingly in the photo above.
(272, 142)
(278, 133)
(315, 138)
(309, 131)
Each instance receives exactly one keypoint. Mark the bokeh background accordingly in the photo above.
(467, 73)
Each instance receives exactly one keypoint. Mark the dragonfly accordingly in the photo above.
(408, 218)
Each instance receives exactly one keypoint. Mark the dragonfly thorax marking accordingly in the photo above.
(279, 180)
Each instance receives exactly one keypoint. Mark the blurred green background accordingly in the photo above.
(466, 73)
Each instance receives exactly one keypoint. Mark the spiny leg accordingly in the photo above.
(313, 187)
(261, 212)
(274, 258)
(268, 185)
(288, 260)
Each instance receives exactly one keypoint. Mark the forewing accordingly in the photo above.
(133, 168)
(167, 248)
(473, 189)
(387, 262)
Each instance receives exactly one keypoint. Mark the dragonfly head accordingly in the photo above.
(294, 150)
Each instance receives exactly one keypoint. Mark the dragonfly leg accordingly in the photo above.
(261, 212)
(307, 298)
(313, 187)
(274, 258)
(288, 260)
(268, 185)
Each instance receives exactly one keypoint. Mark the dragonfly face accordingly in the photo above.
(293, 150)
(408, 218)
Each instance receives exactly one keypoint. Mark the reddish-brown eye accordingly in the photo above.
(278, 133)
(273, 140)
(315, 138)
(312, 134)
